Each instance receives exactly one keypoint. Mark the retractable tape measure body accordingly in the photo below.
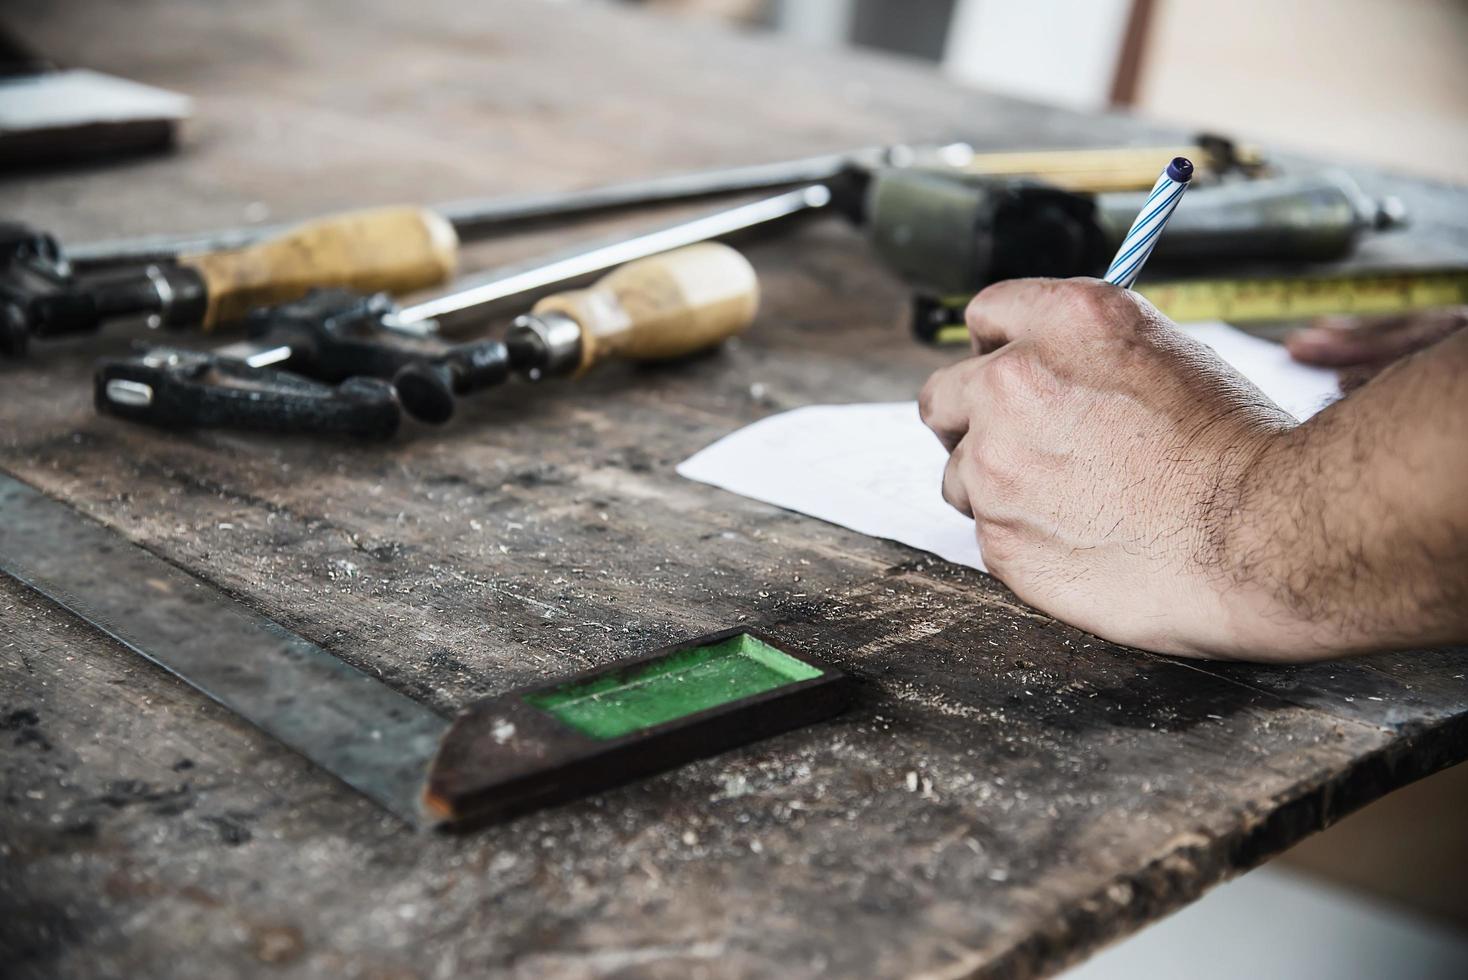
(940, 321)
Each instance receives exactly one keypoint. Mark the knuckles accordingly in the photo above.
(999, 543)
(1100, 308)
(1025, 373)
(1010, 373)
(973, 313)
(975, 317)
(999, 474)
(1066, 307)
(927, 400)
(955, 484)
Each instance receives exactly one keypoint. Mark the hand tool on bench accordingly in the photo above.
(1252, 299)
(923, 227)
(654, 309)
(948, 237)
(499, 757)
(702, 296)
(1081, 170)
(388, 249)
(184, 389)
(1102, 169)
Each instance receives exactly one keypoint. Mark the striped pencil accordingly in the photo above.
(1145, 231)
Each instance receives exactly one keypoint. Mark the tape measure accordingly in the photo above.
(940, 321)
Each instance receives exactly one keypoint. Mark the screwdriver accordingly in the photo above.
(653, 309)
(395, 249)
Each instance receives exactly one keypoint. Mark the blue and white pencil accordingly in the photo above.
(1145, 231)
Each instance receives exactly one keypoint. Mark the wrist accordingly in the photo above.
(1250, 558)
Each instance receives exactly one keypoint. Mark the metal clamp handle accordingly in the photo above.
(186, 389)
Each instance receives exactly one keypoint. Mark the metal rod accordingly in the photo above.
(478, 219)
(518, 281)
(483, 217)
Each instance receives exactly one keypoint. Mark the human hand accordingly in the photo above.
(1101, 451)
(1362, 346)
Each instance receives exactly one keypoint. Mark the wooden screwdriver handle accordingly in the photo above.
(395, 249)
(663, 307)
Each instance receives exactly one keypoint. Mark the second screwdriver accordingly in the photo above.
(659, 308)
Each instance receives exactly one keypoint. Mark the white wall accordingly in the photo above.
(1063, 52)
(822, 22)
(1384, 81)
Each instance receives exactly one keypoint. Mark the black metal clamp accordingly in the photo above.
(187, 389)
(324, 364)
(41, 296)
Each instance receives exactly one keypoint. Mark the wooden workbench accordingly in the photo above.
(1008, 793)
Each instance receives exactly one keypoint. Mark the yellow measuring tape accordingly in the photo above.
(1295, 298)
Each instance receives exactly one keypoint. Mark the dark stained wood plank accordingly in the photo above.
(1403, 692)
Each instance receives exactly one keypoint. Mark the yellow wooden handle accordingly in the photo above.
(396, 250)
(1098, 171)
(663, 307)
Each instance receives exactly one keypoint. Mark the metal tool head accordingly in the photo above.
(331, 335)
(40, 297)
(952, 234)
(334, 335)
(187, 389)
(428, 389)
(32, 264)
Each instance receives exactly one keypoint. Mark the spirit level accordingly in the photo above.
(542, 745)
(499, 757)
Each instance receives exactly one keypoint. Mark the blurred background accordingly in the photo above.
(1382, 81)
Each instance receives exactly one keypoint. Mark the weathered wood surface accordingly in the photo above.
(1008, 793)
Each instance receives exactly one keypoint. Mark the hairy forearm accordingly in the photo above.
(1123, 479)
(1350, 532)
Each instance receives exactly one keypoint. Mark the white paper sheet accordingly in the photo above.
(875, 468)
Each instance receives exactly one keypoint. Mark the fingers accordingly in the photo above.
(955, 491)
(1346, 342)
(945, 402)
(1343, 341)
(963, 484)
